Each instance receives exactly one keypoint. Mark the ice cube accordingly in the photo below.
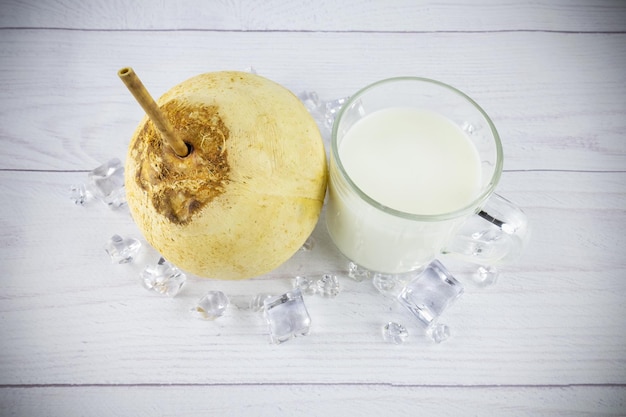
(163, 278)
(79, 194)
(438, 332)
(106, 183)
(287, 316)
(357, 272)
(395, 333)
(485, 275)
(328, 286)
(307, 285)
(211, 306)
(323, 112)
(308, 245)
(331, 108)
(430, 293)
(250, 69)
(385, 283)
(122, 250)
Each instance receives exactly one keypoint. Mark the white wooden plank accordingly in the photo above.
(68, 316)
(396, 15)
(313, 400)
(557, 99)
(80, 336)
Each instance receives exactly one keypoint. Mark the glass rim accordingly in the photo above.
(468, 208)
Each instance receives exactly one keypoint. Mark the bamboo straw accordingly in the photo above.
(163, 126)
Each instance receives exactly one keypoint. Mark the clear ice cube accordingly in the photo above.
(485, 275)
(438, 332)
(79, 194)
(430, 293)
(395, 333)
(331, 108)
(307, 285)
(357, 273)
(323, 112)
(328, 286)
(163, 278)
(250, 69)
(311, 101)
(287, 316)
(106, 183)
(385, 283)
(308, 245)
(211, 306)
(122, 250)
(390, 285)
(468, 127)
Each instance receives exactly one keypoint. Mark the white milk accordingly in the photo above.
(411, 160)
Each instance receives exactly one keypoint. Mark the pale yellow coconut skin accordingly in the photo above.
(262, 191)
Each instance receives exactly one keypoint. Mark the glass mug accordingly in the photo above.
(413, 168)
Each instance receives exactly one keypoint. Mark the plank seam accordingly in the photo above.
(575, 32)
(319, 384)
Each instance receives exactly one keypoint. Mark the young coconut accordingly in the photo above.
(247, 185)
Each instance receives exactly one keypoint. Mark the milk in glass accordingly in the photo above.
(410, 160)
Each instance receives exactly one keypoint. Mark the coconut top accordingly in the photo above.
(228, 120)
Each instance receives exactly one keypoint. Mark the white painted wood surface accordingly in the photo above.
(79, 336)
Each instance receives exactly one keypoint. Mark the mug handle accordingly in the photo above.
(496, 234)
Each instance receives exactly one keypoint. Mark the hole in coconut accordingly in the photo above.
(189, 150)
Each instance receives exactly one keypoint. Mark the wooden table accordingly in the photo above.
(80, 336)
